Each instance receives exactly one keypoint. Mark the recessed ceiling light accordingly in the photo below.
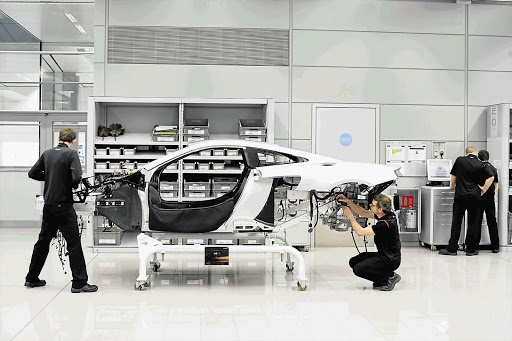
(71, 17)
(80, 28)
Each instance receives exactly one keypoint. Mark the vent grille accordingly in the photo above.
(197, 46)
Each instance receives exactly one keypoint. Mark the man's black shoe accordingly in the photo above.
(445, 252)
(38, 283)
(85, 288)
(392, 281)
(495, 250)
(474, 253)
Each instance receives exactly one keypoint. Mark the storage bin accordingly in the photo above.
(172, 166)
(196, 185)
(252, 127)
(194, 138)
(129, 151)
(169, 151)
(205, 153)
(254, 138)
(102, 165)
(115, 151)
(231, 152)
(203, 165)
(218, 152)
(216, 193)
(115, 165)
(189, 165)
(169, 194)
(223, 183)
(142, 149)
(196, 126)
(129, 165)
(218, 165)
(104, 236)
(101, 151)
(197, 194)
(168, 186)
(165, 138)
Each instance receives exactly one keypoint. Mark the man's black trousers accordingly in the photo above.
(61, 218)
(373, 266)
(460, 205)
(487, 206)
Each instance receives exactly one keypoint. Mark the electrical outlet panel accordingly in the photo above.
(439, 150)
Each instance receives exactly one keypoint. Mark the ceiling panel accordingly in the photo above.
(49, 23)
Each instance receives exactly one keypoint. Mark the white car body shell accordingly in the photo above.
(318, 173)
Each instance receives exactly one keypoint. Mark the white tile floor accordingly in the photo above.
(439, 298)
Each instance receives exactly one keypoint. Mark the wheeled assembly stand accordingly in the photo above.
(151, 247)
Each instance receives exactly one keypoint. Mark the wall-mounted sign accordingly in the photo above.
(345, 139)
(410, 156)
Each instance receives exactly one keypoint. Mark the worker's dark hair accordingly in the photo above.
(67, 135)
(383, 202)
(483, 155)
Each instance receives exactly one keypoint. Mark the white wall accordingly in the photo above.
(433, 67)
(423, 62)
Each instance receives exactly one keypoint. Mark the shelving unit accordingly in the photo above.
(499, 145)
(139, 116)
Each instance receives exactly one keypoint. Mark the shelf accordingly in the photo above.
(214, 171)
(196, 199)
(218, 137)
(133, 139)
(141, 156)
(214, 158)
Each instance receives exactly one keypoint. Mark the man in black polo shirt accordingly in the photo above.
(61, 171)
(379, 266)
(466, 175)
(487, 205)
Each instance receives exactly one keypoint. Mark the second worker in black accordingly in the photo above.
(466, 175)
(379, 266)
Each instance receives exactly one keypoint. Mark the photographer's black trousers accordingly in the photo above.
(62, 218)
(373, 266)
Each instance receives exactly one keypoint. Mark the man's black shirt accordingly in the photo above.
(490, 192)
(387, 237)
(469, 172)
(61, 171)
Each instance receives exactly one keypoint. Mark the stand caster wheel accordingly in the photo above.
(155, 266)
(433, 248)
(141, 286)
(289, 266)
(301, 287)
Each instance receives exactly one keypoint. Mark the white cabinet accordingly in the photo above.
(499, 145)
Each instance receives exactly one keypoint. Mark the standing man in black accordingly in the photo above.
(379, 266)
(487, 205)
(466, 175)
(61, 171)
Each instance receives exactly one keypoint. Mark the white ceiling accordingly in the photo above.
(47, 20)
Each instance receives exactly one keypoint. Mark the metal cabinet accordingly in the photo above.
(436, 216)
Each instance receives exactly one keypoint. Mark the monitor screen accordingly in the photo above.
(439, 169)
